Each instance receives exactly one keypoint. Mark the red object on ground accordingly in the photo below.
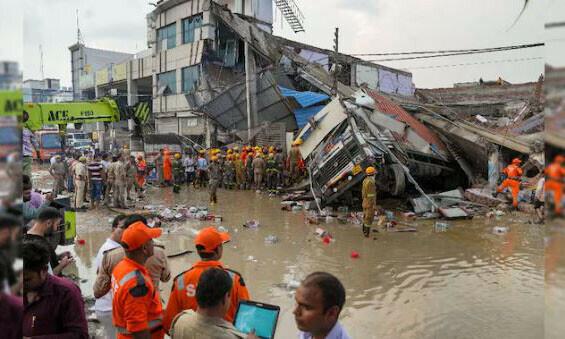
(81, 241)
(354, 255)
(327, 240)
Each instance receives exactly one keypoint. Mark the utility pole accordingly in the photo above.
(41, 68)
(335, 62)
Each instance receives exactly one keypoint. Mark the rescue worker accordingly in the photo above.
(141, 167)
(215, 177)
(136, 303)
(279, 160)
(159, 167)
(110, 180)
(120, 182)
(513, 177)
(239, 171)
(555, 173)
(249, 170)
(272, 173)
(80, 176)
(294, 159)
(167, 168)
(369, 197)
(57, 171)
(209, 245)
(229, 172)
(131, 172)
(189, 164)
(178, 172)
(259, 166)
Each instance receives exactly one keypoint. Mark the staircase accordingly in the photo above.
(291, 14)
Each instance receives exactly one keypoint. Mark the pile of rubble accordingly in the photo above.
(182, 213)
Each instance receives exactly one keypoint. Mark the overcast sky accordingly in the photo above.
(367, 26)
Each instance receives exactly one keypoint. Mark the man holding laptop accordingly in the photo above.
(214, 301)
(209, 245)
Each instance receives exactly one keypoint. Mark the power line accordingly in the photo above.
(477, 63)
(502, 48)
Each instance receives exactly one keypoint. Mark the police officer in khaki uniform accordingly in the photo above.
(369, 196)
(120, 183)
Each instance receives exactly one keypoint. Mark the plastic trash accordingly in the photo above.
(193, 209)
(271, 239)
(354, 255)
(251, 258)
(499, 213)
(500, 230)
(389, 215)
(327, 239)
(343, 209)
(321, 232)
(222, 229)
(251, 224)
(441, 226)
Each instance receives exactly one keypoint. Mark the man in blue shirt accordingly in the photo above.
(319, 301)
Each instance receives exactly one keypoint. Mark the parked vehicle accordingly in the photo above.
(10, 136)
(49, 144)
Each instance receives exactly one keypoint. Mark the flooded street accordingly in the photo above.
(466, 282)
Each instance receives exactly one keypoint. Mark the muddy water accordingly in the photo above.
(555, 281)
(466, 282)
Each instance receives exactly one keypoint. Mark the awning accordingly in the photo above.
(308, 102)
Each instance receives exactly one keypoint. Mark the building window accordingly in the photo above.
(191, 122)
(167, 37)
(189, 25)
(190, 78)
(167, 83)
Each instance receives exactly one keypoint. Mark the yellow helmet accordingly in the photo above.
(214, 158)
(177, 156)
(370, 170)
(230, 151)
(236, 148)
(298, 142)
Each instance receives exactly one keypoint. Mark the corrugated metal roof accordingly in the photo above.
(229, 109)
(385, 105)
(305, 99)
(304, 114)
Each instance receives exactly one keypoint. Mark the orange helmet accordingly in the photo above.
(559, 159)
(516, 161)
(370, 170)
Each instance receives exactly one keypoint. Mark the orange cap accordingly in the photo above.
(137, 234)
(210, 239)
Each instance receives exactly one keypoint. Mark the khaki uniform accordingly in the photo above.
(131, 175)
(215, 176)
(259, 166)
(110, 179)
(79, 176)
(294, 159)
(239, 172)
(120, 172)
(369, 195)
(58, 172)
(191, 325)
(157, 266)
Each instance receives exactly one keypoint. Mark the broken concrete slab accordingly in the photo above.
(483, 197)
(454, 213)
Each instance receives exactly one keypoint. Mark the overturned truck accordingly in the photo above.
(369, 129)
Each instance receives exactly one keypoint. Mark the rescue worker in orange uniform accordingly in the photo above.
(136, 304)
(555, 173)
(513, 177)
(209, 245)
(167, 168)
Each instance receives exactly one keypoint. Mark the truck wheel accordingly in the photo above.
(398, 184)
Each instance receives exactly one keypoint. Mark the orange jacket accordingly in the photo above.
(555, 172)
(183, 292)
(136, 304)
(167, 167)
(513, 172)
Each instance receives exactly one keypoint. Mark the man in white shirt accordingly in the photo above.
(103, 305)
(319, 301)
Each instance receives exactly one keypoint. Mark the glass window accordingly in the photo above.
(192, 122)
(189, 25)
(10, 136)
(190, 78)
(168, 79)
(51, 141)
(167, 37)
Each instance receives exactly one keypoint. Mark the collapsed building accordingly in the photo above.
(216, 74)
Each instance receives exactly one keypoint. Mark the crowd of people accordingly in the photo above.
(113, 179)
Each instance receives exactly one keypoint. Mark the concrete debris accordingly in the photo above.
(252, 224)
(454, 213)
(271, 239)
(483, 197)
(500, 230)
(441, 227)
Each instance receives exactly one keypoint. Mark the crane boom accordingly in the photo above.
(62, 113)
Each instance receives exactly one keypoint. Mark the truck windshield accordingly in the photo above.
(81, 143)
(10, 135)
(79, 136)
(51, 141)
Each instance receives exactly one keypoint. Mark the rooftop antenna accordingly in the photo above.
(41, 69)
(292, 14)
(79, 34)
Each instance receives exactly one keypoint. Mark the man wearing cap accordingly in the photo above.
(57, 171)
(136, 306)
(294, 158)
(369, 196)
(80, 176)
(513, 177)
(209, 245)
(215, 178)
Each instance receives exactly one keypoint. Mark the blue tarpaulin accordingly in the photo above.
(309, 102)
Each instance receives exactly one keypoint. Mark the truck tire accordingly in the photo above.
(398, 184)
